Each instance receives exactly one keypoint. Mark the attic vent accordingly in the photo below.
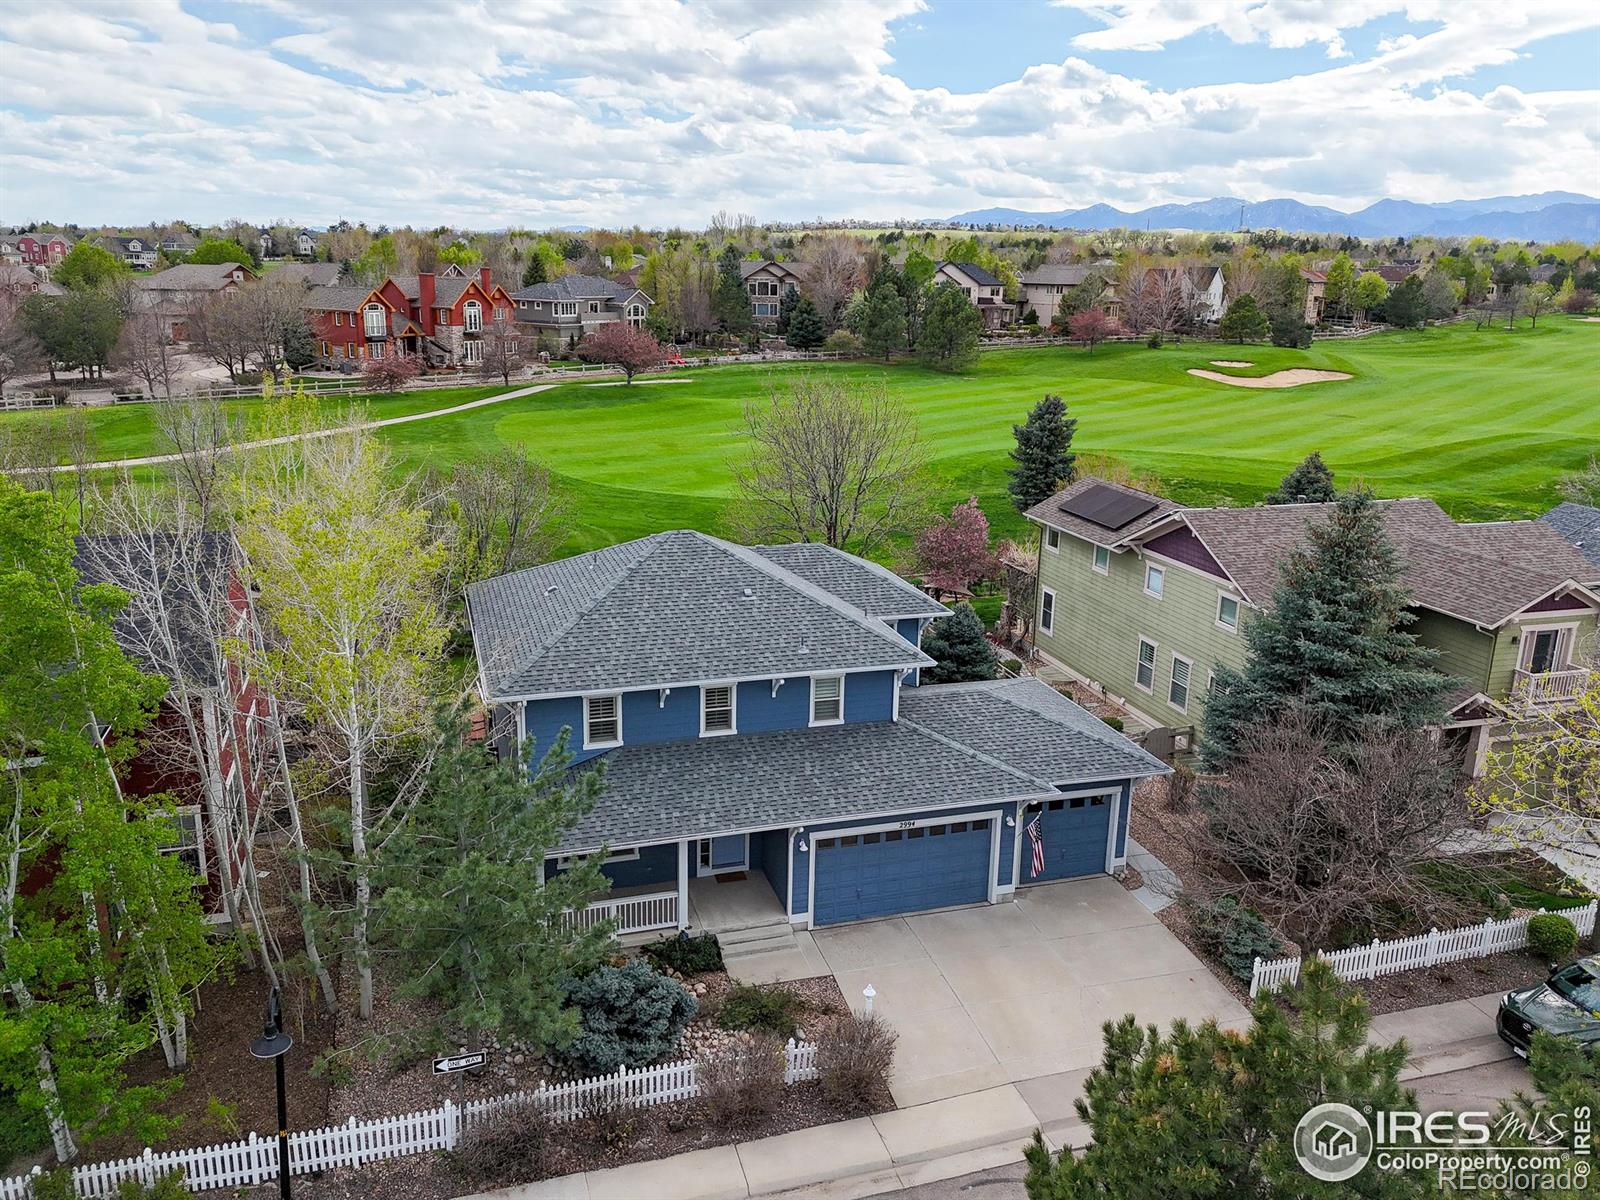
(749, 593)
(551, 590)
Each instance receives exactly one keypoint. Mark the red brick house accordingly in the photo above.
(230, 713)
(441, 316)
(43, 249)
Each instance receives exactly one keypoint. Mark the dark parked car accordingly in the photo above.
(1567, 1004)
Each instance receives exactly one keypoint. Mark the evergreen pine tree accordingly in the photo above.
(806, 328)
(730, 302)
(786, 306)
(883, 319)
(1204, 1112)
(1311, 482)
(1406, 306)
(533, 270)
(960, 651)
(1043, 459)
(950, 330)
(1335, 642)
(1244, 321)
(462, 898)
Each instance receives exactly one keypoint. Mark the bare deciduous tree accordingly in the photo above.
(1321, 839)
(834, 463)
(220, 330)
(199, 431)
(505, 509)
(145, 349)
(834, 272)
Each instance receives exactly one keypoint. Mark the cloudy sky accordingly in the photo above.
(544, 112)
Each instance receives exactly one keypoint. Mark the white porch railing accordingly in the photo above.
(633, 914)
(1549, 687)
(1413, 953)
(255, 1160)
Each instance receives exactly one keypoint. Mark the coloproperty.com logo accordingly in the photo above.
(1469, 1151)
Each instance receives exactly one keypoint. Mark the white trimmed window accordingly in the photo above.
(190, 844)
(1102, 559)
(1047, 611)
(1144, 675)
(472, 352)
(1155, 579)
(376, 321)
(717, 710)
(1227, 612)
(602, 721)
(338, 318)
(1178, 689)
(1052, 540)
(827, 700)
(472, 316)
(375, 350)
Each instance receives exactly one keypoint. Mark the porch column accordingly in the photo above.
(683, 884)
(1480, 750)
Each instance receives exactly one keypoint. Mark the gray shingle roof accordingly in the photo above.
(876, 591)
(750, 266)
(192, 277)
(575, 287)
(1049, 512)
(447, 289)
(105, 559)
(706, 786)
(1580, 525)
(974, 272)
(667, 609)
(342, 298)
(1030, 727)
(1059, 275)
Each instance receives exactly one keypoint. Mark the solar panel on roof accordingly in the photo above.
(1106, 506)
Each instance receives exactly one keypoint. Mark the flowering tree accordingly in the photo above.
(953, 553)
(1091, 326)
(1543, 787)
(630, 348)
(391, 372)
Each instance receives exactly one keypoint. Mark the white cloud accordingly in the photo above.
(663, 111)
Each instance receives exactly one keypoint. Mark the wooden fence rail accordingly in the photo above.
(1429, 949)
(255, 1160)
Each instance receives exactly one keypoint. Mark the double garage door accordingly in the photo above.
(1075, 832)
(880, 874)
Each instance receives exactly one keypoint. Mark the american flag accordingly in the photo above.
(1036, 836)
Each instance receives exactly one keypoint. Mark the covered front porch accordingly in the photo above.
(716, 885)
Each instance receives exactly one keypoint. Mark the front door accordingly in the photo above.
(721, 854)
(1543, 652)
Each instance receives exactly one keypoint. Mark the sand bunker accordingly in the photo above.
(1278, 379)
(1591, 320)
(1230, 362)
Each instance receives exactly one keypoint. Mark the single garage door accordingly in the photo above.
(1075, 830)
(863, 875)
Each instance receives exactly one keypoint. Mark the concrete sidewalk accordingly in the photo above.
(1453, 1036)
(869, 1155)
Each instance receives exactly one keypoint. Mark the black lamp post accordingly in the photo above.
(274, 1043)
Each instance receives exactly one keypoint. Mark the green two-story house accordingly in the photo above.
(1144, 598)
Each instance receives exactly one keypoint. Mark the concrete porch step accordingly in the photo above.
(761, 939)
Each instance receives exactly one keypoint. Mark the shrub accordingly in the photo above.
(741, 1087)
(1154, 340)
(853, 1060)
(1114, 721)
(1235, 935)
(767, 1010)
(630, 1016)
(844, 342)
(1551, 937)
(1181, 786)
(684, 954)
(511, 1143)
(1581, 300)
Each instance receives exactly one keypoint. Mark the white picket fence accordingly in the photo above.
(1429, 949)
(255, 1160)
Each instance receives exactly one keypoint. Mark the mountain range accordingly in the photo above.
(1546, 217)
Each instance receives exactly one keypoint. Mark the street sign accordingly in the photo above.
(451, 1063)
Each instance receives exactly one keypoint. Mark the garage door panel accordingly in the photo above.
(860, 876)
(1075, 832)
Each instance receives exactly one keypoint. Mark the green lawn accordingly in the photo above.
(1483, 421)
(128, 430)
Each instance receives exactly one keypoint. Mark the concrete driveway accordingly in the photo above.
(1012, 992)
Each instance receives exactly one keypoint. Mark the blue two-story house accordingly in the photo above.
(758, 711)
